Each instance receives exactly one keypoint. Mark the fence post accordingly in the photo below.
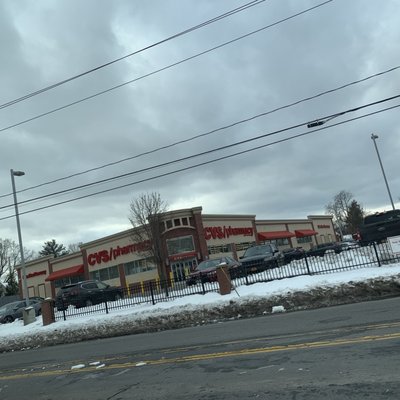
(202, 284)
(166, 287)
(308, 267)
(152, 292)
(245, 275)
(376, 253)
(105, 302)
(63, 309)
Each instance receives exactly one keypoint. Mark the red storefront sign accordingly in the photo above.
(104, 256)
(324, 226)
(182, 256)
(224, 232)
(33, 274)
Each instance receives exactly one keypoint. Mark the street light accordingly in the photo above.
(374, 137)
(21, 249)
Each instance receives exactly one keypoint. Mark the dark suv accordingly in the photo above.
(261, 257)
(86, 293)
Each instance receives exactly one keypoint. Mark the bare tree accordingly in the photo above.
(145, 217)
(10, 256)
(339, 209)
(74, 247)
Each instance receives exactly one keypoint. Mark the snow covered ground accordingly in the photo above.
(16, 332)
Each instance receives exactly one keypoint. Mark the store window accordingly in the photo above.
(185, 221)
(224, 248)
(177, 222)
(105, 274)
(278, 242)
(68, 280)
(137, 266)
(168, 224)
(305, 239)
(244, 245)
(183, 244)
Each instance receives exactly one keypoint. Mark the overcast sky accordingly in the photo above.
(45, 42)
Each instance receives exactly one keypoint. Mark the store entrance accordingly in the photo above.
(181, 269)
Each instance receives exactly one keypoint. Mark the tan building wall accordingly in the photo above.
(324, 226)
(36, 273)
(68, 261)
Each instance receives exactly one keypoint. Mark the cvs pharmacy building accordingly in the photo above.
(187, 237)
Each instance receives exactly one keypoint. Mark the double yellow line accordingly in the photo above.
(210, 356)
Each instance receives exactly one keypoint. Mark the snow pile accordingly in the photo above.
(254, 300)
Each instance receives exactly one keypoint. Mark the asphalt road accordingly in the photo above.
(344, 352)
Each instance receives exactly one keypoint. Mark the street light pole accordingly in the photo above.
(374, 137)
(21, 248)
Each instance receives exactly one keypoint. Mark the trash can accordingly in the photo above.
(48, 314)
(28, 315)
(224, 279)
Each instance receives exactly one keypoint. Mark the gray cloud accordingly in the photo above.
(335, 44)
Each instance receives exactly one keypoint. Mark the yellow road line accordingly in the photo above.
(348, 329)
(210, 356)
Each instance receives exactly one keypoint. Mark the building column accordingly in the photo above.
(122, 276)
(85, 264)
(198, 222)
(255, 232)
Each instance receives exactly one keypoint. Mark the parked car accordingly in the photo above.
(37, 298)
(206, 270)
(320, 249)
(86, 293)
(12, 311)
(348, 245)
(261, 257)
(291, 254)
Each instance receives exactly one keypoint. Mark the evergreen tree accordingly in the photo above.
(355, 216)
(51, 247)
(11, 284)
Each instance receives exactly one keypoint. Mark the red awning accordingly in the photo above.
(305, 232)
(71, 271)
(275, 235)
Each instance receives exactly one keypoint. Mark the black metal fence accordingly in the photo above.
(154, 292)
(151, 292)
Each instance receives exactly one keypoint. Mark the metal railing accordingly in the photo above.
(154, 292)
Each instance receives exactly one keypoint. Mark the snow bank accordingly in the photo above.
(254, 300)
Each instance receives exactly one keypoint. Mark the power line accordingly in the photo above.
(329, 117)
(161, 69)
(186, 31)
(210, 132)
(203, 163)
